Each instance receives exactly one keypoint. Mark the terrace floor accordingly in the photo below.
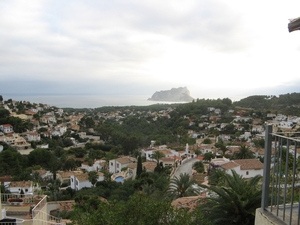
(294, 220)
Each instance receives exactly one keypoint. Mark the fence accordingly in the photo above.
(281, 183)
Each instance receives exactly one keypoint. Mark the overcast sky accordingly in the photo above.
(215, 48)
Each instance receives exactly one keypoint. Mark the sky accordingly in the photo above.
(215, 48)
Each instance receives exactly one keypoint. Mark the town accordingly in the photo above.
(62, 156)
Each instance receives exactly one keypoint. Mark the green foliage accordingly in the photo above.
(235, 201)
(18, 124)
(93, 177)
(11, 162)
(40, 157)
(259, 143)
(243, 153)
(182, 186)
(3, 115)
(207, 141)
(157, 155)
(216, 176)
(208, 156)
(198, 166)
(139, 168)
(67, 142)
(286, 103)
(138, 210)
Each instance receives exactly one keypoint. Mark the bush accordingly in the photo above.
(199, 167)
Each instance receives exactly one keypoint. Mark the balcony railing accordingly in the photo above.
(281, 180)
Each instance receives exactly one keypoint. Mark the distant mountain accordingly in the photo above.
(181, 94)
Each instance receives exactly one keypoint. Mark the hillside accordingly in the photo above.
(286, 103)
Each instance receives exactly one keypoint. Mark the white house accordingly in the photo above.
(33, 136)
(96, 166)
(79, 181)
(116, 165)
(219, 161)
(6, 128)
(285, 124)
(167, 152)
(246, 135)
(48, 119)
(206, 148)
(245, 167)
(257, 128)
(149, 166)
(44, 173)
(15, 187)
(168, 161)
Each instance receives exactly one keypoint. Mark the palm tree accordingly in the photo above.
(234, 202)
(182, 186)
(157, 155)
(243, 153)
(216, 176)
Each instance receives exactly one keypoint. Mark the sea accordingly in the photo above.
(85, 101)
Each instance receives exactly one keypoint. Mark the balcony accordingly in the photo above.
(16, 209)
(281, 180)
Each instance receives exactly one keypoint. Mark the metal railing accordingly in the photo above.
(281, 180)
(39, 215)
(7, 198)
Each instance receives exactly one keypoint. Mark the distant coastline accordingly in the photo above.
(84, 101)
(89, 101)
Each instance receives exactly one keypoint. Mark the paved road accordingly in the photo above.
(185, 168)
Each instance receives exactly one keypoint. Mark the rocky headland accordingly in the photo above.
(181, 94)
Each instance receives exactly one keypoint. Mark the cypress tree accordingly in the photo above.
(139, 168)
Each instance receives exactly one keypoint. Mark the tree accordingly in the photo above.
(208, 156)
(216, 176)
(40, 157)
(70, 164)
(199, 167)
(93, 177)
(220, 145)
(139, 168)
(157, 155)
(207, 141)
(243, 153)
(182, 186)
(3, 115)
(234, 202)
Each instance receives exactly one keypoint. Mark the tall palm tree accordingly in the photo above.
(243, 153)
(235, 202)
(182, 186)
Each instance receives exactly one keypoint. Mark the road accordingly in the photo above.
(185, 168)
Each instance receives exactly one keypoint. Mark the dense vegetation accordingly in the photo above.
(287, 103)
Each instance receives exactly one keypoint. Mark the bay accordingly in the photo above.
(84, 101)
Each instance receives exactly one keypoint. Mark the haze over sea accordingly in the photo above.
(84, 101)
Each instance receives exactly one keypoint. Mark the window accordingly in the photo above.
(247, 172)
(111, 164)
(117, 165)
